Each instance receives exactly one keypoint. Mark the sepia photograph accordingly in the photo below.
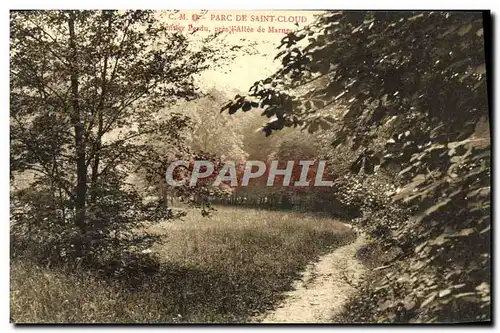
(250, 166)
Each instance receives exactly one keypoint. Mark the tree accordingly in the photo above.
(85, 89)
(212, 132)
(421, 77)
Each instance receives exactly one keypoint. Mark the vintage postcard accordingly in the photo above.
(210, 166)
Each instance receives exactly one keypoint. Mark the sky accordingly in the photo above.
(245, 69)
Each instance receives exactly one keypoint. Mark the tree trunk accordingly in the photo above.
(100, 117)
(81, 167)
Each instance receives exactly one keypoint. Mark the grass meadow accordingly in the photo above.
(224, 268)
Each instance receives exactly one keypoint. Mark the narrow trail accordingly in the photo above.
(323, 289)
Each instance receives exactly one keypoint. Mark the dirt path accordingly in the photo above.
(323, 288)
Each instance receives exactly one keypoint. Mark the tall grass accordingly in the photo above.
(43, 295)
(219, 269)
